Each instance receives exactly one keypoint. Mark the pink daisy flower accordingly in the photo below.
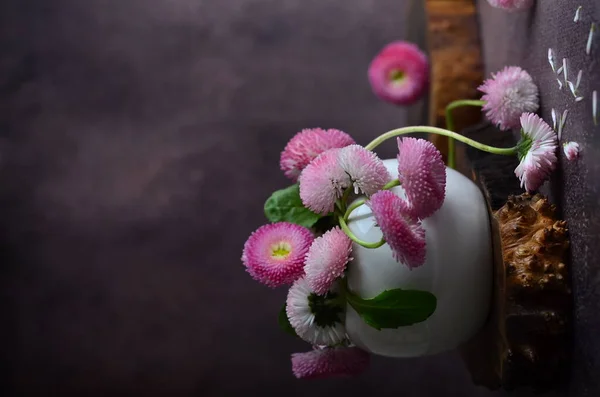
(511, 5)
(537, 151)
(322, 182)
(274, 254)
(508, 94)
(399, 73)
(317, 319)
(330, 362)
(327, 259)
(366, 171)
(308, 144)
(571, 150)
(422, 172)
(402, 232)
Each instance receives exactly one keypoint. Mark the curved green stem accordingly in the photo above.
(349, 233)
(392, 184)
(450, 124)
(352, 207)
(440, 131)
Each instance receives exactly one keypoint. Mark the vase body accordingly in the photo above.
(457, 270)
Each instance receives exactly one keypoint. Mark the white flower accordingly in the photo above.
(537, 151)
(571, 150)
(316, 319)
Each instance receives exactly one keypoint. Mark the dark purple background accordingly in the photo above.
(139, 140)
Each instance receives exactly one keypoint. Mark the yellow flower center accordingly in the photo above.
(281, 250)
(396, 76)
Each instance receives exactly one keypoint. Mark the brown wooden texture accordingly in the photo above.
(456, 64)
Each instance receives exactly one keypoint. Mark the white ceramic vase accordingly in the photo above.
(457, 270)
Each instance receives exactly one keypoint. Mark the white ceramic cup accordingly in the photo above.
(457, 270)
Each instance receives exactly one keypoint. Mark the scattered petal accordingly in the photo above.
(508, 94)
(511, 5)
(563, 121)
(588, 46)
(578, 83)
(579, 99)
(402, 232)
(316, 319)
(551, 59)
(330, 362)
(366, 171)
(422, 172)
(565, 71)
(327, 259)
(537, 152)
(322, 182)
(595, 107)
(572, 88)
(571, 150)
(399, 73)
(308, 144)
(274, 254)
(554, 119)
(577, 14)
(559, 71)
(560, 84)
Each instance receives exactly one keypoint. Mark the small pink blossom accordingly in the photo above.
(571, 150)
(322, 182)
(274, 254)
(537, 152)
(402, 232)
(399, 73)
(327, 259)
(308, 144)
(330, 362)
(366, 171)
(508, 94)
(511, 5)
(422, 172)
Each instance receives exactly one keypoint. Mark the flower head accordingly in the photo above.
(330, 362)
(366, 171)
(327, 259)
(537, 151)
(399, 73)
(422, 172)
(571, 150)
(274, 254)
(508, 94)
(322, 182)
(402, 232)
(308, 144)
(511, 5)
(318, 319)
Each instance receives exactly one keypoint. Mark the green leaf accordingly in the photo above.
(394, 308)
(286, 206)
(284, 322)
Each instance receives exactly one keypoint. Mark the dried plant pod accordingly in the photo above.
(525, 343)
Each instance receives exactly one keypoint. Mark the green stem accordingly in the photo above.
(450, 124)
(440, 131)
(349, 233)
(392, 184)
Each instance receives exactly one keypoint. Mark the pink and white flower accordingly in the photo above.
(330, 362)
(327, 259)
(399, 73)
(511, 5)
(401, 231)
(318, 319)
(322, 182)
(537, 151)
(274, 254)
(308, 144)
(507, 95)
(366, 171)
(571, 150)
(422, 172)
